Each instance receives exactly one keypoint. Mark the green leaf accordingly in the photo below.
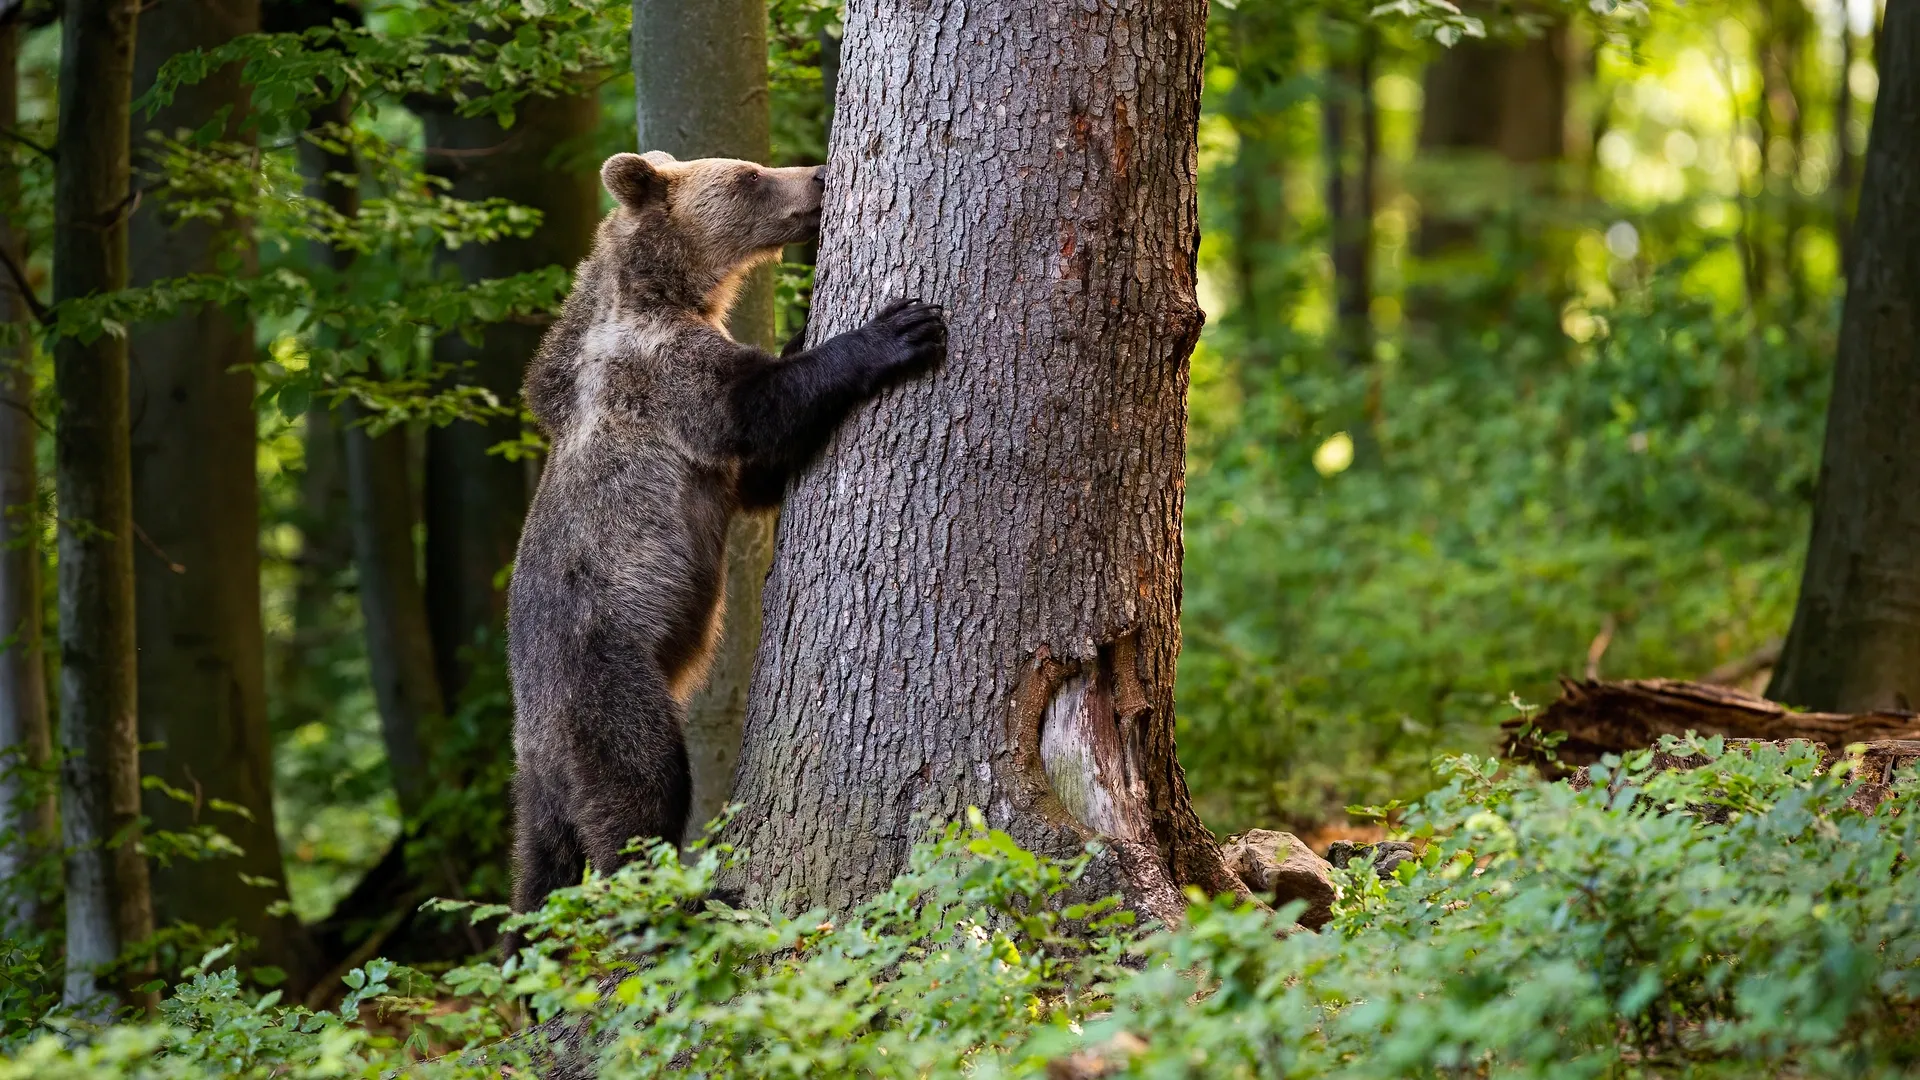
(294, 400)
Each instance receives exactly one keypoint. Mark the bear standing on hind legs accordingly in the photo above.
(662, 427)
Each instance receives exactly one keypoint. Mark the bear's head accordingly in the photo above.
(718, 216)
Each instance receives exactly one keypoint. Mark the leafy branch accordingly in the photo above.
(483, 57)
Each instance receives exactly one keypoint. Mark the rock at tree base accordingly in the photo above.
(1387, 854)
(1281, 868)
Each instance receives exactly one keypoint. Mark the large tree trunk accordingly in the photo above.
(474, 500)
(202, 668)
(700, 90)
(26, 742)
(975, 599)
(1855, 641)
(108, 906)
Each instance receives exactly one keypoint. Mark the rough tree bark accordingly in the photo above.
(700, 90)
(1855, 641)
(975, 598)
(26, 742)
(474, 501)
(108, 906)
(202, 665)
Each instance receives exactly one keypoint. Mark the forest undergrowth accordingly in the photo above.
(1705, 922)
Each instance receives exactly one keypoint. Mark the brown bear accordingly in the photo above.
(662, 427)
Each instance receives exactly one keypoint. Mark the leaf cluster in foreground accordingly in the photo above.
(1730, 920)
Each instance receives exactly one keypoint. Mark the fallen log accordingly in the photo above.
(1614, 717)
(1601, 718)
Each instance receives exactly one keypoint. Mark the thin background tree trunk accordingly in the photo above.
(475, 501)
(975, 598)
(326, 515)
(700, 90)
(1350, 194)
(1759, 250)
(1844, 165)
(376, 478)
(1351, 158)
(202, 677)
(1266, 51)
(377, 513)
(1855, 641)
(108, 905)
(1492, 97)
(302, 685)
(406, 686)
(1778, 57)
(375, 473)
(326, 541)
(26, 742)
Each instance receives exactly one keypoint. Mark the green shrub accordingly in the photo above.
(1733, 920)
(1621, 931)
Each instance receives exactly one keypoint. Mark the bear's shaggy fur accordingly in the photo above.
(662, 427)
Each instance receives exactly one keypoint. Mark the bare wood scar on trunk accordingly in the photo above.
(1073, 729)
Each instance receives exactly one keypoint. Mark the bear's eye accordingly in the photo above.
(749, 180)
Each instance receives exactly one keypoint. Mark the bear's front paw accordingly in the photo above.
(916, 335)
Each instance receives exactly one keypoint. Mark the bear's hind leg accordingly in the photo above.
(546, 850)
(635, 780)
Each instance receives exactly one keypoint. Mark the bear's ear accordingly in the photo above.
(660, 159)
(633, 181)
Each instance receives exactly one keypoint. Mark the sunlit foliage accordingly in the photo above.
(1599, 422)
